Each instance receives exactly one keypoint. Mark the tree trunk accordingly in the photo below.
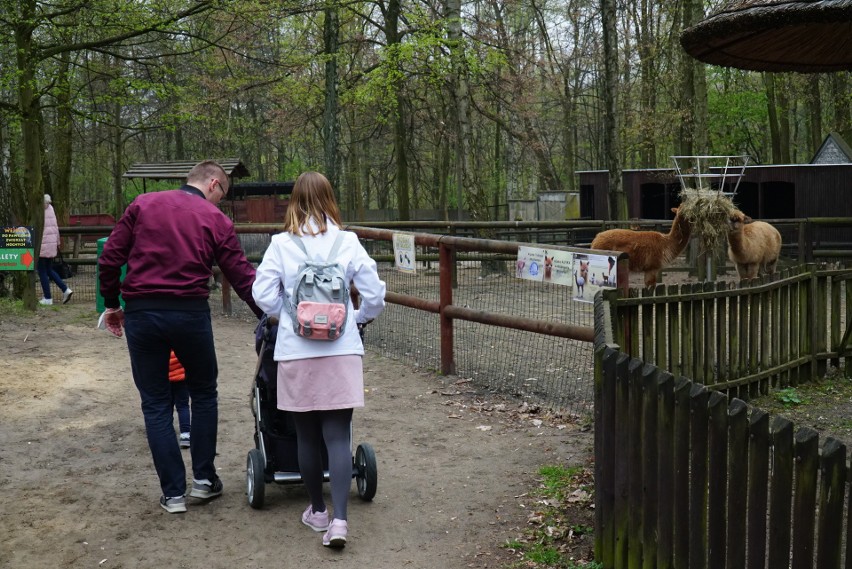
(687, 90)
(394, 43)
(117, 163)
(784, 120)
(842, 117)
(774, 134)
(63, 146)
(28, 206)
(330, 131)
(814, 114)
(612, 148)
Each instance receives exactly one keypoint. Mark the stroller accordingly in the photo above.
(275, 458)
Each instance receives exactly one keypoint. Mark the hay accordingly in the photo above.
(707, 211)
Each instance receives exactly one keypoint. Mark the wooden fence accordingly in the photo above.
(740, 339)
(686, 478)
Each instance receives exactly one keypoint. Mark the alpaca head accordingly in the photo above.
(737, 219)
(584, 269)
(548, 267)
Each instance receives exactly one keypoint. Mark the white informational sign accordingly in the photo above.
(591, 273)
(557, 267)
(530, 264)
(403, 252)
(544, 265)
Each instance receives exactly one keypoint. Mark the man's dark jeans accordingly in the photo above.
(151, 334)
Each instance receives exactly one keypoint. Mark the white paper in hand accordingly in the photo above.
(102, 325)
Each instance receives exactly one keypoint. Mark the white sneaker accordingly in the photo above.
(66, 296)
(46, 301)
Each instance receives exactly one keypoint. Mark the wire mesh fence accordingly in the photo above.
(546, 370)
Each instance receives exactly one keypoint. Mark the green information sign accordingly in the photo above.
(16, 249)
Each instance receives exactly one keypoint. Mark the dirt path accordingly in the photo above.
(80, 489)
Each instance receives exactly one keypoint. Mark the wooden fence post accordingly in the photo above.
(605, 382)
(738, 474)
(758, 488)
(623, 459)
(665, 469)
(718, 483)
(680, 537)
(649, 442)
(698, 397)
(806, 448)
(832, 491)
(782, 488)
(446, 273)
(633, 420)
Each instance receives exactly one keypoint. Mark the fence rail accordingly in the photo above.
(465, 313)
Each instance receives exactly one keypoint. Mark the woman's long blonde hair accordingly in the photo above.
(312, 197)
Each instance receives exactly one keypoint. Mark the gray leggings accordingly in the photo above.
(333, 427)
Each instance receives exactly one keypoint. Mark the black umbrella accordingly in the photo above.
(765, 35)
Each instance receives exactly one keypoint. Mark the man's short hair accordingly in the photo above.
(206, 170)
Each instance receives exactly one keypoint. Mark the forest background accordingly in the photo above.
(443, 104)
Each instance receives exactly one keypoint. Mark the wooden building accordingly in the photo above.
(258, 202)
(764, 192)
(247, 202)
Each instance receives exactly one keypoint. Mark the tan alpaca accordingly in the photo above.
(754, 246)
(649, 251)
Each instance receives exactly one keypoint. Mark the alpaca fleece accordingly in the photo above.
(649, 251)
(753, 246)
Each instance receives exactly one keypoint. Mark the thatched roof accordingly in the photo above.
(808, 36)
(177, 170)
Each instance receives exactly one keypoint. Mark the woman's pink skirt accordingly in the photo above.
(321, 384)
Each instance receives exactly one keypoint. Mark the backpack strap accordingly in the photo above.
(298, 241)
(331, 254)
(334, 248)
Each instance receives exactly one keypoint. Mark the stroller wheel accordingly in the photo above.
(255, 480)
(366, 474)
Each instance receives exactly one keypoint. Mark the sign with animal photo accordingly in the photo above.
(403, 252)
(530, 264)
(591, 273)
(557, 267)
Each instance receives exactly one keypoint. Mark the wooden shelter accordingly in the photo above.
(178, 170)
(248, 202)
(807, 36)
(764, 192)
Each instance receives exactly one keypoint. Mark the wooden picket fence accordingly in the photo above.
(742, 339)
(688, 478)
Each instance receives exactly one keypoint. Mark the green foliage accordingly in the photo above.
(736, 105)
(556, 479)
(546, 542)
(12, 307)
(790, 397)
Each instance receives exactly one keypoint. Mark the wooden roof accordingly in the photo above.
(177, 170)
(807, 36)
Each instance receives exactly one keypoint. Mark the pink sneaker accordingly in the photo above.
(336, 534)
(317, 521)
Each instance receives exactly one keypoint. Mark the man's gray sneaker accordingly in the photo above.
(174, 505)
(205, 489)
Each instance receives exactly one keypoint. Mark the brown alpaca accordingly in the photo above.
(754, 246)
(649, 251)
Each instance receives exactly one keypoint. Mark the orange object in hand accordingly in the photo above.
(176, 371)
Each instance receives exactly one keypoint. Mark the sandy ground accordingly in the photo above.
(454, 470)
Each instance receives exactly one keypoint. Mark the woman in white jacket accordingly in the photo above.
(48, 250)
(320, 382)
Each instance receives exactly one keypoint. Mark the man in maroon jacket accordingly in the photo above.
(169, 242)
